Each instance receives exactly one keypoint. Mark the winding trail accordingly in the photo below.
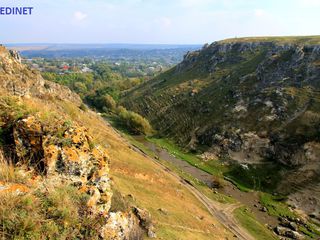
(222, 212)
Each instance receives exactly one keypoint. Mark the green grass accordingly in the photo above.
(256, 229)
(306, 232)
(276, 206)
(261, 177)
(238, 185)
(311, 230)
(212, 167)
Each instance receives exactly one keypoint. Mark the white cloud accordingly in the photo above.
(259, 12)
(80, 16)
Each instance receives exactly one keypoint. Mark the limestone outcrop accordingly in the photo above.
(18, 80)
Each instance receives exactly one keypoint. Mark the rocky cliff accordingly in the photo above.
(48, 161)
(18, 80)
(253, 101)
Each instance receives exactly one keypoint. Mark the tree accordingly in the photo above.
(134, 122)
(108, 102)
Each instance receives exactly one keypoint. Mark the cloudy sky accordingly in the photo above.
(157, 21)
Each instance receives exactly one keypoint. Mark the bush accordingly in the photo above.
(134, 122)
(108, 102)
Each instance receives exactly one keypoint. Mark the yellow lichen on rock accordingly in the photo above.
(27, 136)
(51, 154)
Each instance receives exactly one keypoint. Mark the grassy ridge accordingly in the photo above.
(307, 40)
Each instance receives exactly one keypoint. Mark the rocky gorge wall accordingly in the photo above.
(252, 101)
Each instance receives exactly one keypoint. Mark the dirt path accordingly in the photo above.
(222, 212)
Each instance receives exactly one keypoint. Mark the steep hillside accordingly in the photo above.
(55, 181)
(250, 100)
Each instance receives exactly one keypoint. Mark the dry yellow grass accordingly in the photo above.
(151, 187)
(8, 172)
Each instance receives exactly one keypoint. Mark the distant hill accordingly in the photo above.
(250, 100)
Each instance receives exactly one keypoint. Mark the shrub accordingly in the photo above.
(134, 122)
(108, 102)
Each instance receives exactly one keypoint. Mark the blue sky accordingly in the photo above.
(157, 21)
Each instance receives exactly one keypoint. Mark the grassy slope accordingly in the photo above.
(151, 187)
(178, 116)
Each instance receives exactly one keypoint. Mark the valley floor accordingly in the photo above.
(223, 213)
(223, 209)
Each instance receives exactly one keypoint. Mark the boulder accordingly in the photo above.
(145, 221)
(121, 226)
(285, 232)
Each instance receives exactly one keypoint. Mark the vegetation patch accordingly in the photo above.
(247, 220)
(262, 177)
(134, 122)
(56, 213)
(276, 205)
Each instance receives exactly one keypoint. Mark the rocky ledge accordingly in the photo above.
(64, 153)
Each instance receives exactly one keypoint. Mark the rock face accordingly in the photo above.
(69, 156)
(66, 153)
(121, 226)
(18, 80)
(256, 103)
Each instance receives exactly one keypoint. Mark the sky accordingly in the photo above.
(157, 21)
